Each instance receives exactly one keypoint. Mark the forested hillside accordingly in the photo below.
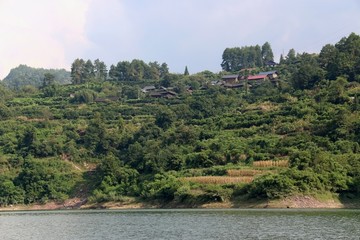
(107, 137)
(23, 76)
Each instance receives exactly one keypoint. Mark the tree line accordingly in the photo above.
(237, 58)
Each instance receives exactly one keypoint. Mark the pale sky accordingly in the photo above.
(193, 33)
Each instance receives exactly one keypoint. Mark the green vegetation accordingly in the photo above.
(105, 138)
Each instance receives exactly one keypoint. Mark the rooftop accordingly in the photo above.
(230, 76)
(256, 77)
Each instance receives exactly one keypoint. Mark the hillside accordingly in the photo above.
(192, 143)
(24, 75)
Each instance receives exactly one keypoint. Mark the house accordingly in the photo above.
(189, 89)
(162, 93)
(271, 74)
(271, 64)
(234, 78)
(257, 79)
(147, 89)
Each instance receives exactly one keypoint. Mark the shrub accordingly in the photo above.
(271, 186)
(9, 193)
(84, 96)
(163, 187)
(216, 193)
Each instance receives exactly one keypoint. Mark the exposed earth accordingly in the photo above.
(289, 202)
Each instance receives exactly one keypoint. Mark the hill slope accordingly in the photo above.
(24, 75)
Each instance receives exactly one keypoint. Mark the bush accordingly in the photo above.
(45, 179)
(271, 186)
(9, 193)
(84, 96)
(163, 187)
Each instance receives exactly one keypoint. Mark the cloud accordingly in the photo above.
(179, 32)
(41, 33)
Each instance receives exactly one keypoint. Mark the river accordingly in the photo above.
(181, 224)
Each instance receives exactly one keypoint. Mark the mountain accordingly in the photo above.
(25, 75)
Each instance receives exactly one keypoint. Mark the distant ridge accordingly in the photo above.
(24, 75)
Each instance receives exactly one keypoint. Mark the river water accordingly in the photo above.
(181, 224)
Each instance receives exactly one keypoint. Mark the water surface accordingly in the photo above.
(181, 224)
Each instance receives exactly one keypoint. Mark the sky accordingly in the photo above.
(192, 33)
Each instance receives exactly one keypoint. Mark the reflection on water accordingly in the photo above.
(181, 224)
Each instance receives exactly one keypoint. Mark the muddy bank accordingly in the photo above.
(132, 203)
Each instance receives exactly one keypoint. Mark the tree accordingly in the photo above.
(49, 88)
(186, 72)
(49, 79)
(77, 71)
(28, 141)
(89, 71)
(164, 118)
(153, 71)
(291, 57)
(307, 76)
(328, 60)
(164, 69)
(123, 71)
(137, 70)
(267, 53)
(100, 70)
(169, 79)
(231, 59)
(282, 60)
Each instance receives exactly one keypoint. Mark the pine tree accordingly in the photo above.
(186, 72)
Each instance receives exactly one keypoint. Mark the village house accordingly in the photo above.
(162, 93)
(230, 79)
(270, 74)
(257, 79)
(271, 64)
(147, 89)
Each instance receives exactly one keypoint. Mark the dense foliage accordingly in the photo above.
(208, 144)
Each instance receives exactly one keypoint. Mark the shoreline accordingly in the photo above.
(292, 202)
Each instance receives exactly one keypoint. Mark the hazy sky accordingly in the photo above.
(52, 33)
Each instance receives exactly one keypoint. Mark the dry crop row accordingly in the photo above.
(244, 172)
(270, 163)
(219, 179)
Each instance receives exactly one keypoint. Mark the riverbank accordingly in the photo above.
(333, 202)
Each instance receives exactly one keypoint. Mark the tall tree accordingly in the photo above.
(49, 79)
(328, 60)
(137, 70)
(291, 56)
(113, 72)
(89, 70)
(153, 71)
(282, 60)
(267, 53)
(164, 70)
(100, 70)
(77, 71)
(186, 72)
